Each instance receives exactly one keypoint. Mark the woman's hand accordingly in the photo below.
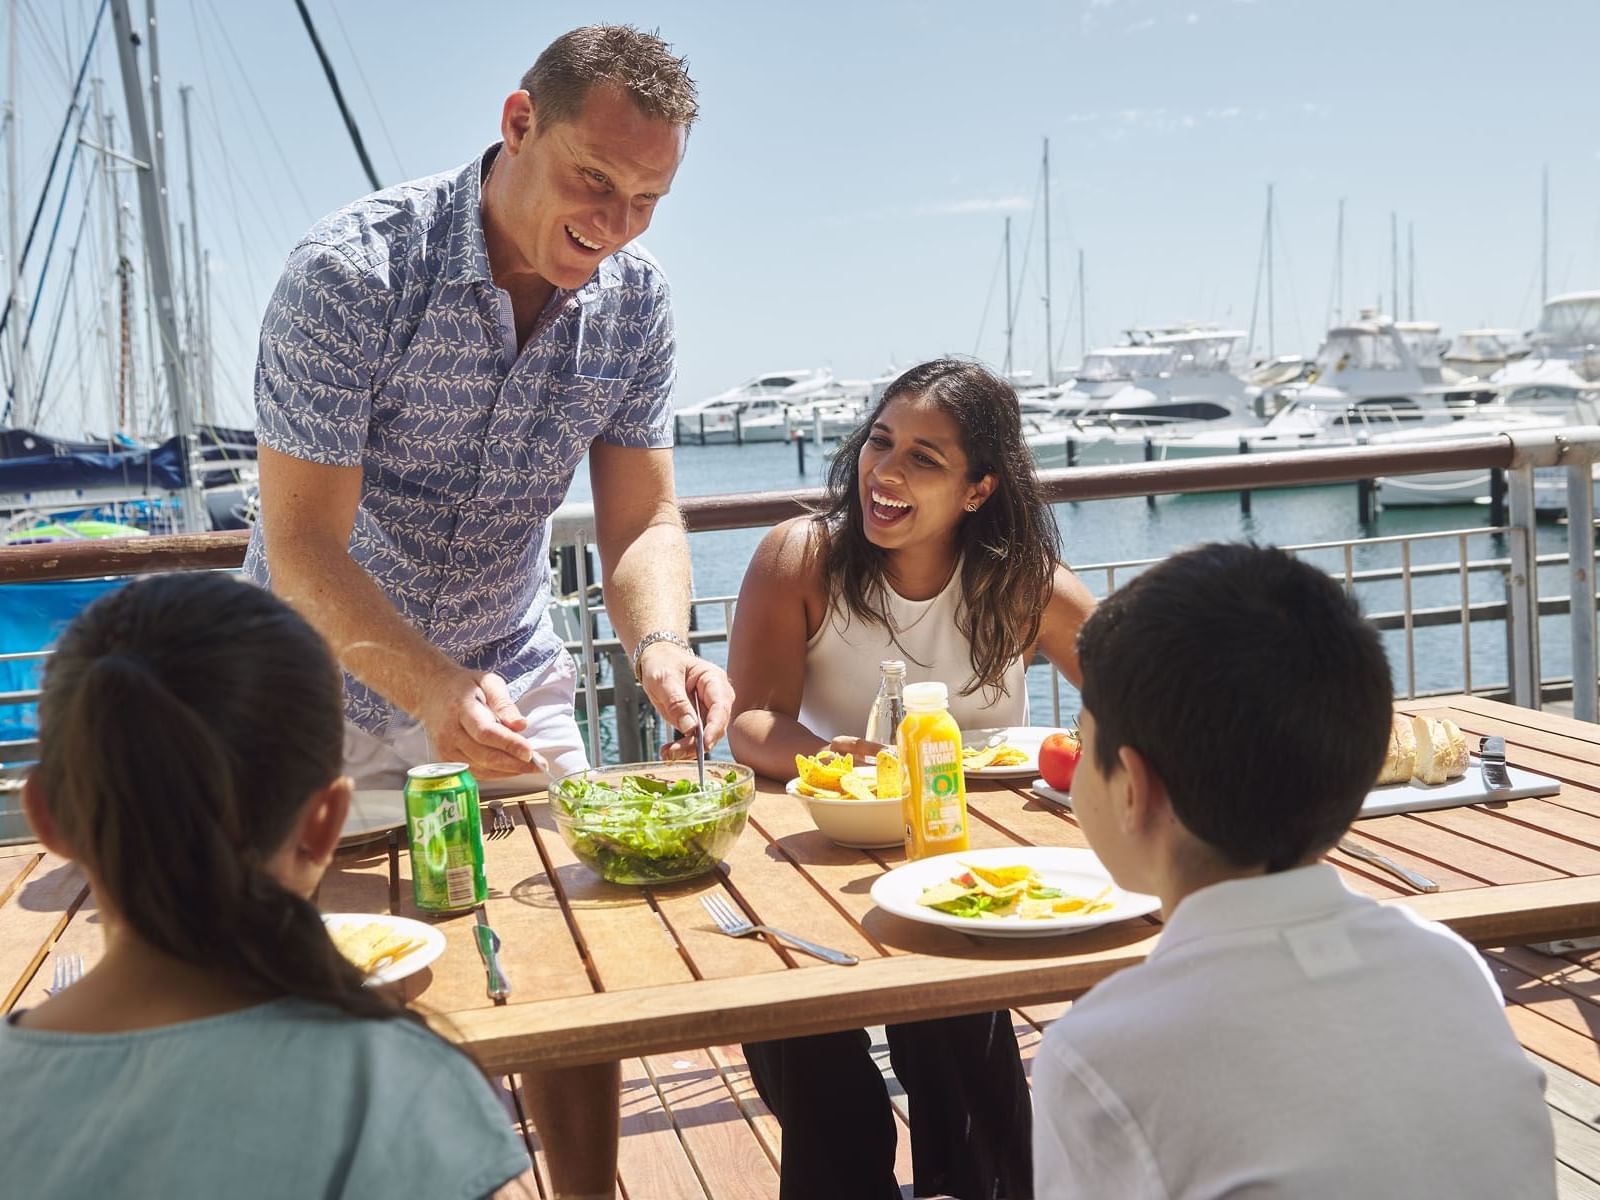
(858, 748)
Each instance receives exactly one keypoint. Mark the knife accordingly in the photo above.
(499, 987)
(1493, 755)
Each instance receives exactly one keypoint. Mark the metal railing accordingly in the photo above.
(1518, 454)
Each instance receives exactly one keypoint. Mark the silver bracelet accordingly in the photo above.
(650, 639)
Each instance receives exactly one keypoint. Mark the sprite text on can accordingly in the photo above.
(446, 836)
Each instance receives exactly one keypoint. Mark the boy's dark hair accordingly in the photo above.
(639, 63)
(1253, 687)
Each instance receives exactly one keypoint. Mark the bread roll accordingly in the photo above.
(1441, 750)
(1400, 760)
(1455, 761)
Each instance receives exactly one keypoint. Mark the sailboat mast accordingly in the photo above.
(1009, 307)
(21, 414)
(1049, 340)
(158, 128)
(107, 215)
(201, 349)
(160, 259)
(1544, 240)
(1272, 338)
(1411, 270)
(1394, 264)
(1083, 314)
(1338, 269)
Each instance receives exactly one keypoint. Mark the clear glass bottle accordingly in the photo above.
(889, 709)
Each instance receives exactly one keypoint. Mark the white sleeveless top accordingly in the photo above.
(842, 660)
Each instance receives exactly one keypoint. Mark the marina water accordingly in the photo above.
(1120, 531)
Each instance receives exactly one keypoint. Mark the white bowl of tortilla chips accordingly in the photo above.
(844, 803)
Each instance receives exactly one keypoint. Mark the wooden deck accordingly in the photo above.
(693, 1127)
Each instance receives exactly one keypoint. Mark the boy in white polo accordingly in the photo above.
(1286, 1037)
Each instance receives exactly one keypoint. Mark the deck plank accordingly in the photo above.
(651, 1162)
(726, 1153)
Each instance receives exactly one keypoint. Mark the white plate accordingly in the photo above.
(1076, 872)
(432, 942)
(372, 813)
(1026, 738)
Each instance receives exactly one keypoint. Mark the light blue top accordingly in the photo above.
(387, 345)
(283, 1099)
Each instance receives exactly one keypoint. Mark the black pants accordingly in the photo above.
(971, 1117)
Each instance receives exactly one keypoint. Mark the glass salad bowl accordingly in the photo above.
(652, 822)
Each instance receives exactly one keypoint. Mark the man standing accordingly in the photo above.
(435, 362)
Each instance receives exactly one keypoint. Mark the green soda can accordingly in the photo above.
(446, 836)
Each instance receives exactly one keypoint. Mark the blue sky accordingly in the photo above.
(843, 198)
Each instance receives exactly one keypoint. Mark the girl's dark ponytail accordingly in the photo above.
(184, 722)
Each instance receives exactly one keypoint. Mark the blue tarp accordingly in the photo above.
(160, 468)
(32, 617)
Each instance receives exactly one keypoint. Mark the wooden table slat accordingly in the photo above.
(627, 945)
(37, 913)
(13, 871)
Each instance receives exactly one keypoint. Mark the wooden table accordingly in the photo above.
(602, 972)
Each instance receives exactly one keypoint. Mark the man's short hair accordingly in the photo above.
(639, 63)
(1253, 687)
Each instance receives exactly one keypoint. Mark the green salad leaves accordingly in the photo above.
(648, 830)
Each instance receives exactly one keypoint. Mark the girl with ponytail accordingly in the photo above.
(191, 737)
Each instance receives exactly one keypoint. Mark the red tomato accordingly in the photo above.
(1058, 759)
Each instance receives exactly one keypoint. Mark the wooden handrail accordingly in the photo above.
(1222, 473)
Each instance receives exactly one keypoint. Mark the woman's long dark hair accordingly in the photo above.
(1009, 548)
(184, 721)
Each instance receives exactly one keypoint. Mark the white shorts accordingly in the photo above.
(381, 763)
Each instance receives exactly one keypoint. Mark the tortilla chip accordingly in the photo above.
(1002, 877)
(859, 785)
(942, 893)
(820, 793)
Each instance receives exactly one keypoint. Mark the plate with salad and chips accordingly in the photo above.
(384, 947)
(1010, 891)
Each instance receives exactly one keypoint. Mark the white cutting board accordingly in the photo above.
(1417, 797)
(1469, 789)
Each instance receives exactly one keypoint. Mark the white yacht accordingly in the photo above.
(1554, 381)
(1479, 353)
(757, 410)
(1161, 381)
(1366, 387)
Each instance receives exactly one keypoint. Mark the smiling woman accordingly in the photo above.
(935, 548)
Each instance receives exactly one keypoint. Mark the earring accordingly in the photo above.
(972, 506)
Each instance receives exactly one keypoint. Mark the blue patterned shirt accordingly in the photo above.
(387, 345)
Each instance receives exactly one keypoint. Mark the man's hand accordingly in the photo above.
(669, 674)
(470, 718)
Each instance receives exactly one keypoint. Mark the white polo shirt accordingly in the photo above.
(1290, 1038)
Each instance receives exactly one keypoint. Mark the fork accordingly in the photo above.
(736, 925)
(500, 822)
(68, 970)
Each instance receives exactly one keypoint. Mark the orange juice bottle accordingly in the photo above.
(934, 798)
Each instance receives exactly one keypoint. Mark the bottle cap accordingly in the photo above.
(927, 695)
(892, 666)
